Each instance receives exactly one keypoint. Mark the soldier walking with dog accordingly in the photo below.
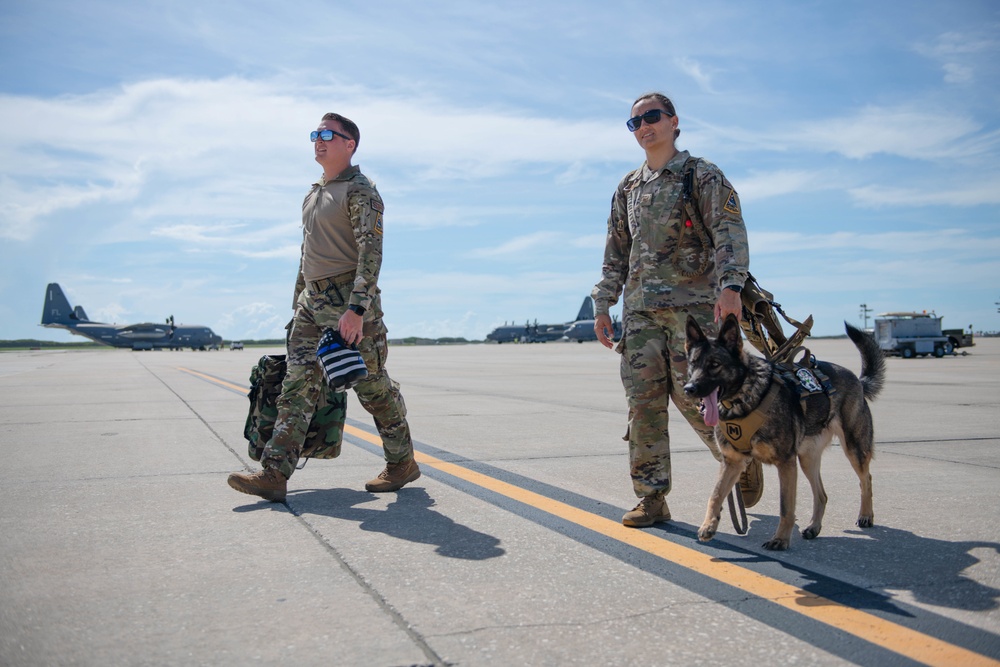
(336, 288)
(673, 250)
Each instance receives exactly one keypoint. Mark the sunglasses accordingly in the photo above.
(327, 135)
(651, 117)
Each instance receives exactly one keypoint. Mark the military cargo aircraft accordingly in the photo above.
(59, 314)
(541, 333)
(582, 330)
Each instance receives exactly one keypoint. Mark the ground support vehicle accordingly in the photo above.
(959, 338)
(911, 335)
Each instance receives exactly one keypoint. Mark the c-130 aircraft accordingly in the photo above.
(57, 313)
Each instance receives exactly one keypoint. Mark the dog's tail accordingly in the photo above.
(872, 361)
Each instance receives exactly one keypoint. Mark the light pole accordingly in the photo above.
(864, 313)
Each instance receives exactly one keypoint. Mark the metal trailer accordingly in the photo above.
(911, 335)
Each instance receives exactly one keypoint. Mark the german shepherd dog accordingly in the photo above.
(733, 383)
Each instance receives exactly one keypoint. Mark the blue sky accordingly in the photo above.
(154, 155)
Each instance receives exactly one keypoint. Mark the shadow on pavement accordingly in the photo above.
(890, 559)
(409, 517)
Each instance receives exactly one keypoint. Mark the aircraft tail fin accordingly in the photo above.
(586, 310)
(80, 314)
(57, 309)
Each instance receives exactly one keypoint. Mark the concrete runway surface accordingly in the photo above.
(121, 543)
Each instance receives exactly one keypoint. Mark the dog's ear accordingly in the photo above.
(694, 334)
(731, 336)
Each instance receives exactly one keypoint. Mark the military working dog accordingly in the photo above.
(760, 412)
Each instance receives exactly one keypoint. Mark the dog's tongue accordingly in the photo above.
(711, 403)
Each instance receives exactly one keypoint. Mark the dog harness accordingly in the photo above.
(807, 379)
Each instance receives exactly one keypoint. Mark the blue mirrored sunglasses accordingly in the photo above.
(327, 135)
(650, 117)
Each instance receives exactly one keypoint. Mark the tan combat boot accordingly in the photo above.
(268, 483)
(650, 510)
(752, 483)
(395, 476)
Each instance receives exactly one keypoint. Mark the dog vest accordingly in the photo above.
(808, 381)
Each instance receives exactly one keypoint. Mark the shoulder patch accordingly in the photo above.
(732, 205)
(378, 223)
(377, 205)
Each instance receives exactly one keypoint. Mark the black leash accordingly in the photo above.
(735, 493)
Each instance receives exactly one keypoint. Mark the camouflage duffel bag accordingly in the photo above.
(326, 430)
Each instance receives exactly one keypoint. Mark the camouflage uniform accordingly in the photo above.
(319, 305)
(668, 267)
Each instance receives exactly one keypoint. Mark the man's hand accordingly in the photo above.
(604, 329)
(349, 326)
(729, 302)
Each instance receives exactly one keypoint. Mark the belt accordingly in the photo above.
(326, 283)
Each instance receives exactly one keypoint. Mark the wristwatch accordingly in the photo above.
(735, 288)
(357, 309)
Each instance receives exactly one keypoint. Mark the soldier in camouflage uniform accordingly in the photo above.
(336, 288)
(669, 266)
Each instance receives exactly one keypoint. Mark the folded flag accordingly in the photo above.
(342, 364)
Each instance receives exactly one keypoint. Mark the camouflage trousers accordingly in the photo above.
(654, 371)
(379, 394)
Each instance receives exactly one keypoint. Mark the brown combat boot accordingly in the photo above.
(752, 483)
(268, 483)
(395, 476)
(651, 509)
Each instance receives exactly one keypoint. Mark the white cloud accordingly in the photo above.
(696, 71)
(590, 241)
(954, 242)
(222, 147)
(902, 131)
(962, 55)
(520, 245)
(966, 194)
(758, 185)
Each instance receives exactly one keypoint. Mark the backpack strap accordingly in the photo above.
(692, 223)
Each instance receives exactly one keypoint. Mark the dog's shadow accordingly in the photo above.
(408, 517)
(890, 560)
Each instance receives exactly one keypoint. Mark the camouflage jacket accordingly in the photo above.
(656, 255)
(342, 232)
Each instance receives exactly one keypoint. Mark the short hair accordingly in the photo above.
(663, 100)
(350, 127)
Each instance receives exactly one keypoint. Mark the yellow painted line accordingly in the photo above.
(897, 638)
(214, 380)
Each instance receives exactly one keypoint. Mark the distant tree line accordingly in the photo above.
(28, 343)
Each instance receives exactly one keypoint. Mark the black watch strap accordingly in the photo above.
(357, 309)
(735, 288)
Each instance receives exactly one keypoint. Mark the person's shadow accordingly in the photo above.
(409, 517)
(889, 560)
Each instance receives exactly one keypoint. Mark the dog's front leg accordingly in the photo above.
(787, 481)
(729, 472)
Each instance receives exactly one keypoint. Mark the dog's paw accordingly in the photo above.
(706, 532)
(776, 544)
(866, 521)
(811, 532)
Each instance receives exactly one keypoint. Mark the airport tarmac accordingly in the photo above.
(122, 544)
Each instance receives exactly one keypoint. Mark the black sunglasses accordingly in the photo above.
(651, 117)
(326, 135)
